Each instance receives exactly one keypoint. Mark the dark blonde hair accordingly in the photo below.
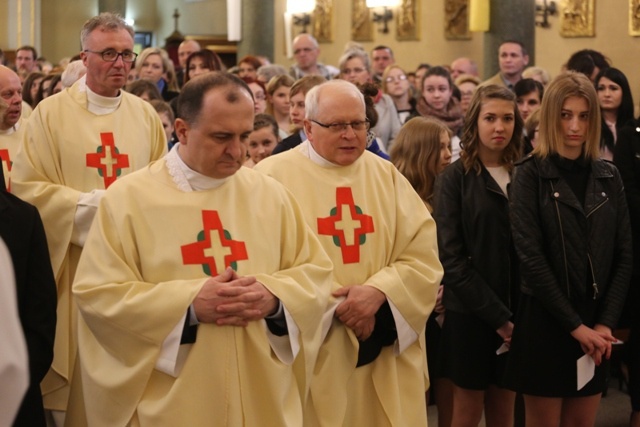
(416, 153)
(550, 135)
(273, 85)
(471, 138)
(305, 84)
(386, 72)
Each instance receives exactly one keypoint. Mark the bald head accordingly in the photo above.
(11, 94)
(305, 52)
(463, 66)
(185, 49)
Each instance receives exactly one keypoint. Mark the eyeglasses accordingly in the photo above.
(341, 127)
(348, 71)
(111, 55)
(400, 78)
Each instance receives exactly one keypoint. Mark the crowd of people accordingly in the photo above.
(250, 244)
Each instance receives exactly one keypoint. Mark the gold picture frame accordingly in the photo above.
(634, 18)
(361, 24)
(408, 20)
(577, 18)
(322, 21)
(456, 14)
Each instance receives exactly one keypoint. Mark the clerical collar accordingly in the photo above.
(99, 104)
(186, 178)
(13, 129)
(308, 150)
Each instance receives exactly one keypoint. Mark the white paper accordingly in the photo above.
(502, 349)
(586, 369)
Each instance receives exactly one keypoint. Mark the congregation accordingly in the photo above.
(345, 244)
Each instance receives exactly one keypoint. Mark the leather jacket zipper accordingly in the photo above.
(564, 249)
(596, 291)
(597, 207)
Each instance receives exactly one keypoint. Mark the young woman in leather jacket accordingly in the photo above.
(571, 230)
(476, 251)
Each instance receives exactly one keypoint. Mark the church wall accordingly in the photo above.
(62, 20)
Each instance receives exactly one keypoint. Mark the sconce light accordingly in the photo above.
(301, 10)
(387, 13)
(545, 10)
(302, 20)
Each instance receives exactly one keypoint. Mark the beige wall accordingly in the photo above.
(431, 48)
(62, 21)
(552, 50)
(206, 17)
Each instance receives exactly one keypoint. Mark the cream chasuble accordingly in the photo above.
(376, 230)
(68, 157)
(153, 245)
(10, 141)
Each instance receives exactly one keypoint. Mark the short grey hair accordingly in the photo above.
(354, 53)
(107, 20)
(72, 73)
(312, 99)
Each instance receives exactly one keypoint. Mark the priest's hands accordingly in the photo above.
(359, 308)
(229, 299)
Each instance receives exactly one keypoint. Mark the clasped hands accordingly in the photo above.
(596, 341)
(358, 310)
(231, 300)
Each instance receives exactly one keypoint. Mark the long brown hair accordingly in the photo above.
(416, 153)
(471, 139)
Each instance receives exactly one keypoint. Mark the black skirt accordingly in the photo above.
(543, 356)
(468, 352)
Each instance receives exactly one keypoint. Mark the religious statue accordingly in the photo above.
(361, 26)
(634, 17)
(577, 18)
(407, 20)
(456, 20)
(322, 21)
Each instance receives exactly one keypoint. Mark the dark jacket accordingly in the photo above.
(475, 246)
(561, 243)
(627, 160)
(22, 231)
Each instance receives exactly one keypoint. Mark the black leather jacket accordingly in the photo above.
(475, 245)
(627, 160)
(560, 242)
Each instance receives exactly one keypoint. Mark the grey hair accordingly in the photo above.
(72, 73)
(109, 21)
(312, 99)
(354, 53)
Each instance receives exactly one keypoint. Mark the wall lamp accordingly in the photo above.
(387, 13)
(545, 10)
(300, 11)
(302, 20)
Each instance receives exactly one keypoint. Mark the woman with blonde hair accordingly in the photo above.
(154, 64)
(571, 230)
(278, 89)
(396, 85)
(471, 209)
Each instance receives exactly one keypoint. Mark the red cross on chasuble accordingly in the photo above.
(108, 160)
(347, 224)
(6, 163)
(214, 247)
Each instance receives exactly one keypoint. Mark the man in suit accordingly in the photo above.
(513, 59)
